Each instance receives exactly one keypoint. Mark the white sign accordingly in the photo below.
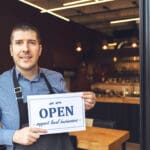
(57, 113)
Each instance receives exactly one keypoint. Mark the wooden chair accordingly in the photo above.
(100, 123)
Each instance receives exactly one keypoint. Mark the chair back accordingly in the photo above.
(100, 123)
(104, 123)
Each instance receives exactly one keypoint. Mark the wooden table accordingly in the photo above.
(96, 138)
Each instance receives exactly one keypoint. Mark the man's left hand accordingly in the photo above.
(89, 99)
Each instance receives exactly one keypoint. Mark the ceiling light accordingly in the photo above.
(134, 45)
(112, 44)
(75, 2)
(114, 59)
(121, 44)
(125, 20)
(42, 9)
(134, 41)
(104, 47)
(33, 5)
(78, 5)
(78, 47)
(135, 58)
(59, 16)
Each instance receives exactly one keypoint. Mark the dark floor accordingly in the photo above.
(129, 146)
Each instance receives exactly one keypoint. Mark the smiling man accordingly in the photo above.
(27, 78)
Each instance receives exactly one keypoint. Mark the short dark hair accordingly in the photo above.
(25, 27)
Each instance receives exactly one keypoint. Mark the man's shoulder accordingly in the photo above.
(5, 75)
(51, 73)
(6, 80)
(56, 80)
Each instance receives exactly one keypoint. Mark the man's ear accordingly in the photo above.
(41, 48)
(10, 50)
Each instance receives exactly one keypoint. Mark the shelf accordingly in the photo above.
(124, 100)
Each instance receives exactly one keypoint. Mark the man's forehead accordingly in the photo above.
(21, 34)
(18, 32)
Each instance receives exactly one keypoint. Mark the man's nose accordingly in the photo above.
(25, 47)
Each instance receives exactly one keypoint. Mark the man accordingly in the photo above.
(27, 78)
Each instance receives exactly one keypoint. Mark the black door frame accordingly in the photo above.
(145, 74)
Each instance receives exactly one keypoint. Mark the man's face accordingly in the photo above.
(25, 49)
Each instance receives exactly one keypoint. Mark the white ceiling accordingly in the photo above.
(96, 16)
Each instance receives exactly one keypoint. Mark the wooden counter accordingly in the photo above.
(96, 138)
(125, 100)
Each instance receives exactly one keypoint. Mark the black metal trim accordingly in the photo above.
(145, 74)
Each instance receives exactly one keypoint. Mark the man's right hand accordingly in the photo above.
(28, 135)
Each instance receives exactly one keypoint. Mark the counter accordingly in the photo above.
(124, 100)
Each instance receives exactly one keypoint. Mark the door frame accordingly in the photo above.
(144, 36)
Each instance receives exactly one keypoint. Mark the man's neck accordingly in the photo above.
(29, 74)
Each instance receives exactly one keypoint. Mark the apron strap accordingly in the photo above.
(47, 83)
(17, 87)
(18, 92)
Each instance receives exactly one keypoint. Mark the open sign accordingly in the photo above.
(57, 113)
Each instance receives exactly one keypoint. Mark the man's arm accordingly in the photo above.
(6, 136)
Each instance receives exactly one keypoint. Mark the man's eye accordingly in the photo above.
(18, 42)
(32, 42)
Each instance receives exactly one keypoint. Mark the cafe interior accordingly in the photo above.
(95, 45)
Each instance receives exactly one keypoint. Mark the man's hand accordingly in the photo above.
(27, 135)
(90, 99)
